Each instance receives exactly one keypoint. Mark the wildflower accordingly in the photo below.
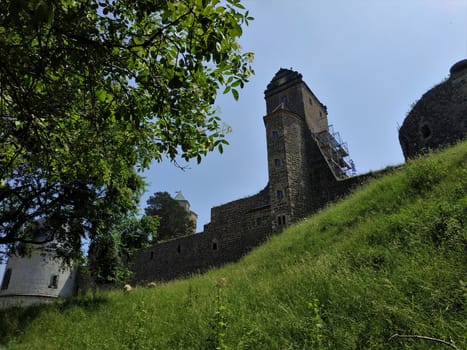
(221, 282)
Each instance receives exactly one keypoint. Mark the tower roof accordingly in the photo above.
(284, 77)
(459, 67)
(179, 197)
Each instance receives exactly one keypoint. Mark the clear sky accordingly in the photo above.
(366, 60)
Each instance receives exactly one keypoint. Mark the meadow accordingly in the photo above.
(384, 268)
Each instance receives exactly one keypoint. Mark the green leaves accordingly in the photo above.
(173, 216)
(235, 94)
(92, 90)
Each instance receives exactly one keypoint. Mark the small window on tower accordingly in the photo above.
(6, 279)
(275, 134)
(281, 220)
(311, 101)
(280, 194)
(152, 255)
(277, 163)
(53, 282)
(284, 99)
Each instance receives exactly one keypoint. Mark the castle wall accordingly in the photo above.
(235, 229)
(239, 226)
(7, 301)
(316, 114)
(325, 188)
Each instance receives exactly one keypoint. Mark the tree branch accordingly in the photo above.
(26, 241)
(422, 337)
(159, 32)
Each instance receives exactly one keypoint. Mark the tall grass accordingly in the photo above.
(390, 259)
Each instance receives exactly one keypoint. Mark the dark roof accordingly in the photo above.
(283, 77)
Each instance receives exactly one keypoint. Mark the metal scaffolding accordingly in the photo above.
(336, 153)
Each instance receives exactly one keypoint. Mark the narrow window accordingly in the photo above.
(214, 245)
(152, 255)
(6, 279)
(275, 134)
(277, 163)
(280, 194)
(258, 221)
(179, 249)
(284, 99)
(311, 101)
(281, 220)
(53, 282)
(426, 131)
(321, 115)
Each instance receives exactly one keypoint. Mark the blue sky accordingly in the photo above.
(367, 60)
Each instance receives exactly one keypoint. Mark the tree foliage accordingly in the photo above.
(111, 252)
(92, 91)
(174, 219)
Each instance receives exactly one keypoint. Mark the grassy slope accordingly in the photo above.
(389, 259)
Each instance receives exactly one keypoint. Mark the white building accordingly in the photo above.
(38, 278)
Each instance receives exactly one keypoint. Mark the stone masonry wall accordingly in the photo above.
(439, 118)
(235, 229)
(239, 226)
(290, 175)
(325, 187)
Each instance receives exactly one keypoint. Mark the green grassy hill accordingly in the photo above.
(390, 259)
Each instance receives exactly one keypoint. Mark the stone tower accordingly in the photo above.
(305, 157)
(36, 278)
(439, 118)
(186, 205)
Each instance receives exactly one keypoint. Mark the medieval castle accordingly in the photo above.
(308, 167)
